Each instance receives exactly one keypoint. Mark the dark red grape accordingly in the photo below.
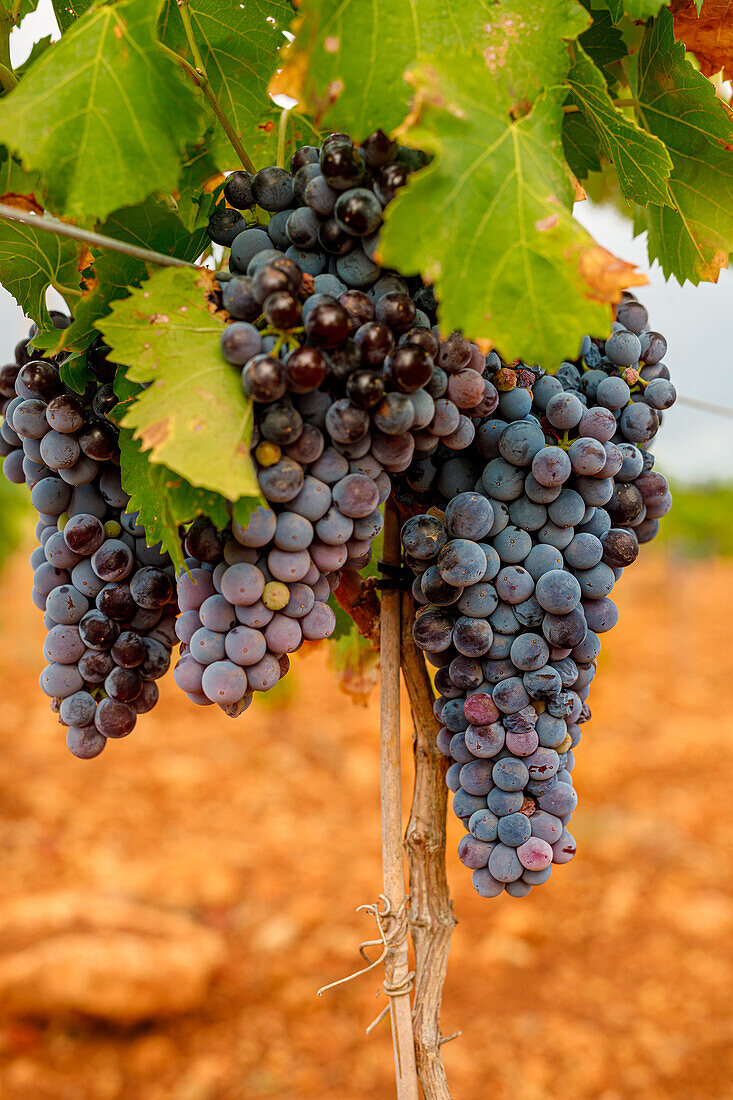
(327, 324)
(123, 684)
(365, 388)
(282, 310)
(264, 379)
(114, 719)
(129, 649)
(358, 306)
(305, 369)
(375, 341)
(408, 367)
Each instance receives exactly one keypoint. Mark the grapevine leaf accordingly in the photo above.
(581, 145)
(74, 372)
(102, 92)
(151, 225)
(644, 9)
(68, 11)
(603, 42)
(17, 187)
(237, 43)
(635, 9)
(641, 160)
(354, 660)
(707, 31)
(194, 418)
(164, 500)
(361, 89)
(37, 49)
(615, 9)
(489, 222)
(31, 261)
(693, 239)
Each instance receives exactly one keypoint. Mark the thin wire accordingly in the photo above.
(62, 229)
(706, 406)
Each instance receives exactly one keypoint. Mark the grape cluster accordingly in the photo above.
(108, 599)
(348, 384)
(513, 578)
(248, 598)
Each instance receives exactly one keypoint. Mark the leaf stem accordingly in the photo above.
(8, 78)
(626, 102)
(570, 108)
(202, 80)
(86, 236)
(282, 132)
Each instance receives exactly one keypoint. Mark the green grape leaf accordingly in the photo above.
(603, 42)
(37, 49)
(102, 92)
(152, 225)
(581, 145)
(644, 9)
(635, 9)
(615, 9)
(18, 187)
(489, 221)
(68, 11)
(641, 160)
(164, 500)
(365, 88)
(75, 372)
(194, 418)
(31, 261)
(238, 44)
(693, 239)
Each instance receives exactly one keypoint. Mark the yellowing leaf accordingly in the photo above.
(194, 417)
(706, 30)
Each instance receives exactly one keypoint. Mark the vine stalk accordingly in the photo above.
(86, 236)
(198, 73)
(398, 981)
(431, 911)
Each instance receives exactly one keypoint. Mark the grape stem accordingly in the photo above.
(7, 21)
(282, 132)
(8, 78)
(86, 236)
(198, 74)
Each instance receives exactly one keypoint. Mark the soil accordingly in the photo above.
(612, 982)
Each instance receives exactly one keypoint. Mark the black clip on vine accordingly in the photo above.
(393, 577)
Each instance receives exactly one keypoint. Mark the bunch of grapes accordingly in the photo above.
(347, 385)
(525, 496)
(513, 578)
(108, 599)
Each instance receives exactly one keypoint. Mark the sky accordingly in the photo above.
(693, 446)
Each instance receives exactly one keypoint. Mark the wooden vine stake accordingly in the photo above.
(417, 1035)
(398, 981)
(431, 911)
